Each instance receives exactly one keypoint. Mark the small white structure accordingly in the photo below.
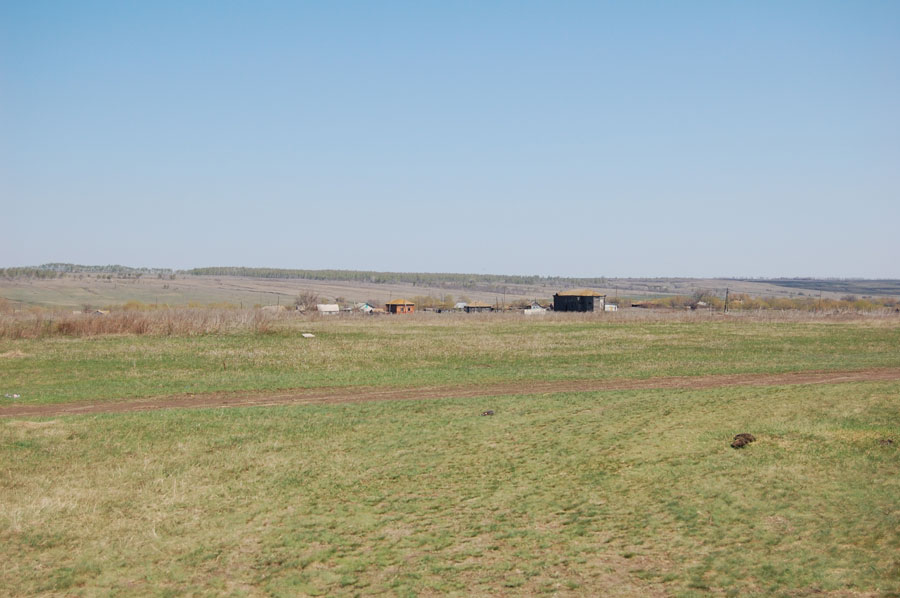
(365, 308)
(460, 306)
(328, 308)
(534, 309)
(610, 307)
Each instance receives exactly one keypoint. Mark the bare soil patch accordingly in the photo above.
(362, 394)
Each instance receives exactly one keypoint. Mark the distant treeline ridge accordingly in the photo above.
(424, 278)
(55, 270)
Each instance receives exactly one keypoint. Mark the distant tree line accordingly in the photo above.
(29, 272)
(58, 270)
(108, 269)
(415, 278)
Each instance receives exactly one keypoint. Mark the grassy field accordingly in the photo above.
(617, 493)
(434, 350)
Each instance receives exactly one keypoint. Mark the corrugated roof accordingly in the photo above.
(580, 293)
(399, 302)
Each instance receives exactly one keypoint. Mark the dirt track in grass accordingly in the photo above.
(332, 395)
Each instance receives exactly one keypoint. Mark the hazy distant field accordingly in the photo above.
(74, 292)
(858, 287)
(616, 493)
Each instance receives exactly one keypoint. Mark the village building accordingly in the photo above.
(329, 309)
(478, 306)
(366, 308)
(579, 300)
(400, 306)
(535, 308)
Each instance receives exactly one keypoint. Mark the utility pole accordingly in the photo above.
(726, 300)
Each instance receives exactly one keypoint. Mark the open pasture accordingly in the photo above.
(613, 492)
(431, 349)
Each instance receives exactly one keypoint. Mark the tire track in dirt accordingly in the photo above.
(335, 395)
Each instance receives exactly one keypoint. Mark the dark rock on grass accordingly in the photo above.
(742, 440)
(488, 412)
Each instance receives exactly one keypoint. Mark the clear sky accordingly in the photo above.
(564, 138)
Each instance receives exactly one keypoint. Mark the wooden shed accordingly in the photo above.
(400, 306)
(476, 306)
(579, 300)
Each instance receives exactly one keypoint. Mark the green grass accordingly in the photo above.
(625, 493)
(440, 350)
(614, 493)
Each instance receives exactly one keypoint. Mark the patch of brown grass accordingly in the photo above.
(162, 322)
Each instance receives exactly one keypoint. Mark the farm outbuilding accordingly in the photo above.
(579, 300)
(476, 306)
(400, 306)
(535, 308)
(328, 308)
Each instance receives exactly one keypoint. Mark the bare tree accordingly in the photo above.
(306, 300)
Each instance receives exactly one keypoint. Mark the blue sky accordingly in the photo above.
(560, 138)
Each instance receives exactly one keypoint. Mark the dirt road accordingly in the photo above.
(362, 394)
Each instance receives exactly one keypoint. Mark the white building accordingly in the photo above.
(534, 309)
